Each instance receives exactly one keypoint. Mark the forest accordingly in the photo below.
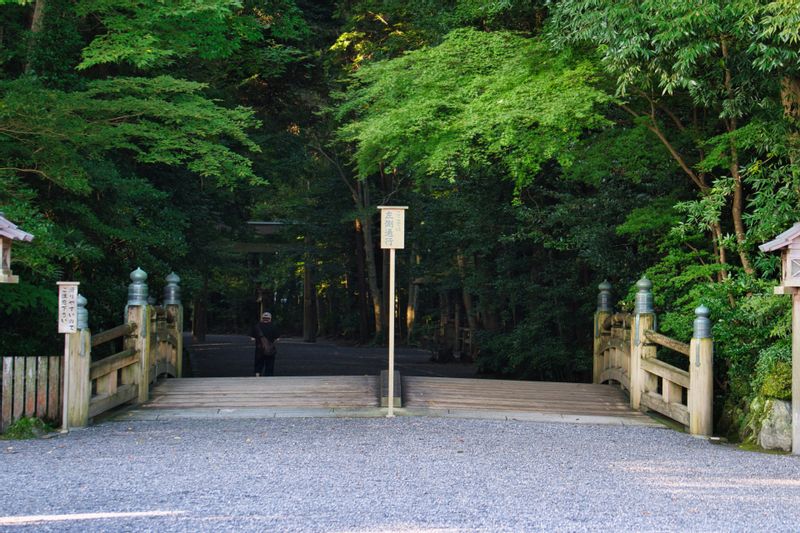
(541, 146)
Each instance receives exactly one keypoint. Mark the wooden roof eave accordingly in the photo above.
(783, 240)
(10, 231)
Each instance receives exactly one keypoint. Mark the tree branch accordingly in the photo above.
(28, 170)
(356, 197)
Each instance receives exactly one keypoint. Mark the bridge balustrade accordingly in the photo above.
(625, 352)
(152, 346)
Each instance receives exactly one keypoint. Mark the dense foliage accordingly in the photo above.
(541, 146)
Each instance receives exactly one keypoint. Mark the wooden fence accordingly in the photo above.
(625, 352)
(30, 386)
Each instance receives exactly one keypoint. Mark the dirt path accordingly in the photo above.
(232, 355)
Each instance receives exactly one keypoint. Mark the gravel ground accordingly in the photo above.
(402, 474)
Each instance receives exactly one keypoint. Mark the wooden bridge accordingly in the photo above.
(629, 378)
(361, 396)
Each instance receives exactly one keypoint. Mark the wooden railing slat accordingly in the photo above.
(7, 402)
(113, 333)
(101, 404)
(663, 340)
(19, 389)
(41, 386)
(675, 411)
(54, 372)
(30, 386)
(666, 371)
(113, 363)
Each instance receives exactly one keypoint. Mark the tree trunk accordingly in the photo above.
(719, 250)
(411, 310)
(457, 330)
(363, 309)
(37, 22)
(200, 312)
(413, 294)
(790, 97)
(309, 302)
(469, 307)
(442, 340)
(372, 275)
(737, 207)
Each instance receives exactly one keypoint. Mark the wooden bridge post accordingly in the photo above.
(701, 375)
(644, 319)
(604, 310)
(79, 386)
(172, 303)
(138, 312)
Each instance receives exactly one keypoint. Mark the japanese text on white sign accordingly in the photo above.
(392, 227)
(67, 306)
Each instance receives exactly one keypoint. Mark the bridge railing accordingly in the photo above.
(625, 352)
(152, 345)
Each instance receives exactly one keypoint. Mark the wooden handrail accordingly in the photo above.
(115, 362)
(666, 371)
(624, 350)
(113, 333)
(663, 340)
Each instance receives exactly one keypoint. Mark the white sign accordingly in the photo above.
(392, 226)
(67, 306)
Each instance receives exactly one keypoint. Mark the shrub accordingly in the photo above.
(26, 428)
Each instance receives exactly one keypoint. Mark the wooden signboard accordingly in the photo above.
(68, 306)
(393, 238)
(392, 226)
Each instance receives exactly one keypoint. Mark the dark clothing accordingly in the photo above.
(265, 356)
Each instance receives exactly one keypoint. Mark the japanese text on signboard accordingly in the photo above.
(392, 228)
(67, 307)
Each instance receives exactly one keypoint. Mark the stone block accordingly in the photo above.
(776, 430)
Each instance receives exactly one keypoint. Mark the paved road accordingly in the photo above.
(232, 355)
(402, 474)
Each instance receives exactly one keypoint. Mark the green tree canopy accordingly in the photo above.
(477, 99)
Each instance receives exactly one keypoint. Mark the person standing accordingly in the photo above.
(265, 333)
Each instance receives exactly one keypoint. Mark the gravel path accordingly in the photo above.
(403, 474)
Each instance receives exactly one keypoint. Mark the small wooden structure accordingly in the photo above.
(625, 352)
(8, 233)
(788, 243)
(152, 345)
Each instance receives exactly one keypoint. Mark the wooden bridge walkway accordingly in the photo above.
(359, 395)
(266, 392)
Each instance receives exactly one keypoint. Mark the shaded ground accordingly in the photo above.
(232, 355)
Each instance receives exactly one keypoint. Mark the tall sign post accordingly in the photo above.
(392, 238)
(67, 323)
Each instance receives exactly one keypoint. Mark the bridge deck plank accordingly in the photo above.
(327, 391)
(455, 394)
(505, 395)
